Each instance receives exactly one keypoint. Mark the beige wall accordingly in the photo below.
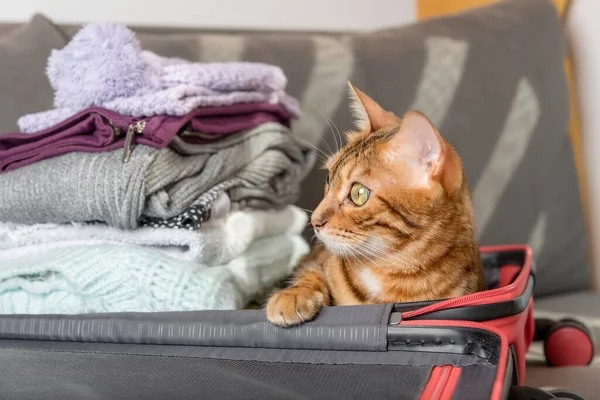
(265, 14)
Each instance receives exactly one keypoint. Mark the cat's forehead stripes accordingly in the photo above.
(355, 150)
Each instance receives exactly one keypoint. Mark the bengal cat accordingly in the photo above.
(396, 223)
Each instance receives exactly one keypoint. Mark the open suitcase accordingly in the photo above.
(471, 347)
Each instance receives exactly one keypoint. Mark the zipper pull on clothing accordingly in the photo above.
(134, 129)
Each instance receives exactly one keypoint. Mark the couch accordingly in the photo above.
(492, 79)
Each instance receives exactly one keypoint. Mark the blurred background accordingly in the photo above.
(514, 84)
(331, 15)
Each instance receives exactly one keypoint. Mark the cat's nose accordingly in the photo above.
(317, 222)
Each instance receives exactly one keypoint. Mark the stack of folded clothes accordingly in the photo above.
(155, 184)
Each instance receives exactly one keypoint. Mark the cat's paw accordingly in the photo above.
(294, 306)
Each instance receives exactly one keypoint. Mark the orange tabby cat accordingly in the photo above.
(396, 221)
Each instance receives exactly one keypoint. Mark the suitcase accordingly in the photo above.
(470, 347)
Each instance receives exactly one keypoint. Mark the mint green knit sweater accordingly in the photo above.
(117, 278)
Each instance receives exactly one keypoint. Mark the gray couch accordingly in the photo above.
(492, 80)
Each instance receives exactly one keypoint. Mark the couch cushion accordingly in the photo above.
(24, 51)
(492, 79)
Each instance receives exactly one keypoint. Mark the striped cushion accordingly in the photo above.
(492, 79)
(435, 8)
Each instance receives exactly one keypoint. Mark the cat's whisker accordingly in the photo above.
(337, 130)
(382, 252)
(322, 153)
(338, 145)
(372, 251)
(378, 247)
(321, 158)
(369, 257)
(356, 258)
(364, 252)
(331, 152)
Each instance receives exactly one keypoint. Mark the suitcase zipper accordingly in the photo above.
(442, 383)
(502, 359)
(480, 298)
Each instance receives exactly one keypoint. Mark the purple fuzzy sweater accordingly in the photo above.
(104, 66)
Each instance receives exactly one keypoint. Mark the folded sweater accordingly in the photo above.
(218, 241)
(120, 278)
(161, 183)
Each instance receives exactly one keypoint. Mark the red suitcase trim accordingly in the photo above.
(499, 381)
(489, 296)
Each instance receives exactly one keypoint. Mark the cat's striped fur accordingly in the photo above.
(414, 237)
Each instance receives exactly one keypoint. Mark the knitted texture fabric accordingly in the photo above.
(119, 278)
(212, 204)
(161, 183)
(104, 66)
(216, 242)
(268, 157)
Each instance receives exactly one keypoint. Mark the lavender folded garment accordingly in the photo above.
(96, 129)
(139, 83)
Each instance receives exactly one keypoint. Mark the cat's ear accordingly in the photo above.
(429, 157)
(368, 115)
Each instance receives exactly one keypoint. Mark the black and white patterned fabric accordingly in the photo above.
(191, 219)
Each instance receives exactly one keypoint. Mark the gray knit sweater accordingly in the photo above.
(159, 183)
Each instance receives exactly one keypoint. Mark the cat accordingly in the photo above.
(396, 223)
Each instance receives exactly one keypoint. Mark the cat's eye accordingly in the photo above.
(359, 194)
